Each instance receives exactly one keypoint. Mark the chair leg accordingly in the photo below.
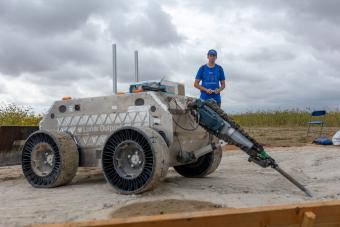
(321, 129)
(308, 129)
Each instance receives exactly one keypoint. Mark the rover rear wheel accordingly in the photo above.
(204, 165)
(134, 160)
(49, 159)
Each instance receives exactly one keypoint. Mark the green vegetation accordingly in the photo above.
(290, 118)
(12, 114)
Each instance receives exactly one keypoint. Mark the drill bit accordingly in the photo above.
(293, 181)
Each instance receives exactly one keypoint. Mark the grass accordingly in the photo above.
(271, 128)
(12, 114)
(290, 118)
(286, 128)
(288, 136)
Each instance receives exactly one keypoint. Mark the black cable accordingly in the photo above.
(180, 126)
(186, 129)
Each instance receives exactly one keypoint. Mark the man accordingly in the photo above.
(212, 77)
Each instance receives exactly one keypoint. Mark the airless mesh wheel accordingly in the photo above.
(204, 166)
(134, 160)
(49, 159)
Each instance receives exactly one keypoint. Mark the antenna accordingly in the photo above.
(162, 79)
(136, 66)
(114, 69)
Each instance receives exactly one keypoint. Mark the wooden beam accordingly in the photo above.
(295, 215)
(308, 219)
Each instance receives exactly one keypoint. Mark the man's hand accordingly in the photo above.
(209, 91)
(218, 90)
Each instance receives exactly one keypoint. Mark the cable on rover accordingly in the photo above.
(178, 124)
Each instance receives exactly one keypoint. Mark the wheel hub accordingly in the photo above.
(42, 161)
(129, 159)
(135, 159)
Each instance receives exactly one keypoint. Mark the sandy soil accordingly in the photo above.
(236, 183)
(166, 206)
(288, 136)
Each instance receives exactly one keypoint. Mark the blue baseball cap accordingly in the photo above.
(212, 52)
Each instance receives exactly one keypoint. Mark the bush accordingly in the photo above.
(12, 114)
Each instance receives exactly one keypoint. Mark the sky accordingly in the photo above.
(276, 54)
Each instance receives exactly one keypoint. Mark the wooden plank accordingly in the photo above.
(11, 142)
(327, 213)
(308, 219)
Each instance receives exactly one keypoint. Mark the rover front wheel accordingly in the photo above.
(49, 159)
(134, 160)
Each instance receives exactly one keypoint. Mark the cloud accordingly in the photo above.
(63, 47)
(53, 17)
(152, 27)
(276, 54)
(3, 89)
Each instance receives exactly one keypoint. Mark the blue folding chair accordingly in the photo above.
(320, 114)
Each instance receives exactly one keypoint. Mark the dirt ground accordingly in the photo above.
(288, 136)
(236, 183)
